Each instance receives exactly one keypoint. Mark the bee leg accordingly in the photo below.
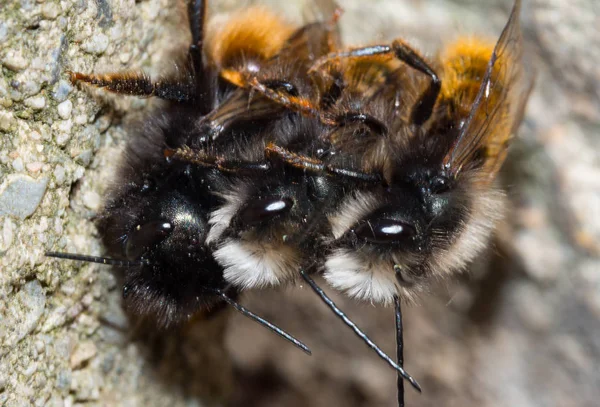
(196, 57)
(136, 84)
(281, 92)
(197, 18)
(308, 164)
(399, 349)
(237, 167)
(315, 166)
(201, 159)
(424, 106)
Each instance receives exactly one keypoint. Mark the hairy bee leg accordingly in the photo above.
(424, 107)
(272, 153)
(340, 314)
(333, 36)
(399, 349)
(315, 166)
(280, 95)
(294, 103)
(197, 157)
(136, 84)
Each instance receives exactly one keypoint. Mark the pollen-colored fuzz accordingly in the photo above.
(255, 32)
(234, 77)
(464, 63)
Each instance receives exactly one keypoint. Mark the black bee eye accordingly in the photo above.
(385, 231)
(439, 184)
(260, 210)
(145, 237)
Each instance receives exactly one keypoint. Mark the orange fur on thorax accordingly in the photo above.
(252, 33)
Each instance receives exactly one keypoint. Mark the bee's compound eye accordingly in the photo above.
(145, 237)
(260, 210)
(385, 231)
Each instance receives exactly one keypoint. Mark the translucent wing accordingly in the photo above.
(291, 62)
(498, 107)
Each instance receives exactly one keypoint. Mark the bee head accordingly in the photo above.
(389, 241)
(163, 226)
(256, 233)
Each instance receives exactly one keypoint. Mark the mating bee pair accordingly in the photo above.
(281, 154)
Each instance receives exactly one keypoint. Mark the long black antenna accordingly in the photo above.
(244, 311)
(94, 259)
(340, 314)
(399, 349)
(247, 313)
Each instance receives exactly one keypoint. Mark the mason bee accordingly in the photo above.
(281, 154)
(156, 219)
(436, 132)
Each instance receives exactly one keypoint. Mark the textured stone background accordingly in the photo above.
(521, 331)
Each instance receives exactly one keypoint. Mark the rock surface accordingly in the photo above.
(521, 331)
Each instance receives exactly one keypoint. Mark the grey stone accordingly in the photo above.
(24, 314)
(20, 195)
(62, 90)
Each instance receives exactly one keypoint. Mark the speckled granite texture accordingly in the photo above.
(522, 330)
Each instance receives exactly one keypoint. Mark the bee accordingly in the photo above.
(436, 143)
(282, 155)
(156, 220)
(408, 152)
(436, 133)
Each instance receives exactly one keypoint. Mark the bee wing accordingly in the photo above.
(239, 106)
(319, 10)
(498, 107)
(315, 39)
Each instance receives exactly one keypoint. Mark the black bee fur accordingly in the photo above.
(280, 155)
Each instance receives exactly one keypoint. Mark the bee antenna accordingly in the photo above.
(247, 313)
(340, 314)
(399, 349)
(95, 259)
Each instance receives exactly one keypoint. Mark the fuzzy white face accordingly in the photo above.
(250, 264)
(377, 277)
(220, 219)
(359, 278)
